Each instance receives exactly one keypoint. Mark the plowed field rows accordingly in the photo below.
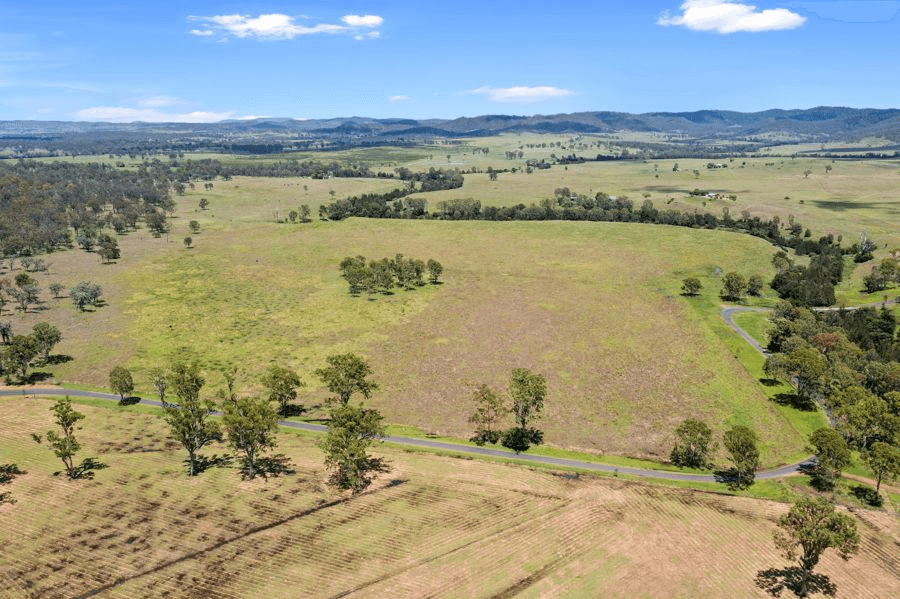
(432, 527)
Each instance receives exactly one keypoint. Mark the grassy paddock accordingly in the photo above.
(434, 526)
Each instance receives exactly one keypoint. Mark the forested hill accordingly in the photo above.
(833, 122)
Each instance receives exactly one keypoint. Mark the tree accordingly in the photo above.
(56, 289)
(351, 430)
(692, 444)
(884, 462)
(435, 269)
(46, 336)
(108, 248)
(194, 227)
(304, 213)
(740, 442)
(25, 295)
(691, 286)
(188, 241)
(832, 455)
(755, 285)
(84, 294)
(282, 384)
(867, 418)
(734, 285)
(809, 528)
(345, 374)
(807, 368)
(189, 419)
(527, 392)
(204, 203)
(7, 473)
(19, 354)
(159, 380)
(64, 445)
(250, 424)
(120, 381)
(489, 409)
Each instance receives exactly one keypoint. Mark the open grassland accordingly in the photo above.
(594, 307)
(434, 526)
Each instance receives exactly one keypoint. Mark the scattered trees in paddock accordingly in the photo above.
(345, 375)
(884, 462)
(18, 356)
(741, 444)
(490, 408)
(189, 418)
(47, 336)
(351, 431)
(121, 382)
(250, 424)
(809, 528)
(527, 392)
(691, 286)
(693, 444)
(56, 289)
(64, 444)
(283, 384)
(734, 286)
(86, 294)
(832, 456)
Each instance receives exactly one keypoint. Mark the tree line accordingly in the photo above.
(381, 276)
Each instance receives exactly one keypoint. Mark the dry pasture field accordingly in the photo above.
(434, 526)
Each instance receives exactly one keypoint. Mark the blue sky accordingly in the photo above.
(208, 61)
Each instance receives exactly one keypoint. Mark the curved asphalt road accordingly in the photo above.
(484, 451)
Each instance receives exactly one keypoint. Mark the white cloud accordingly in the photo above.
(523, 94)
(724, 16)
(159, 101)
(122, 114)
(400, 98)
(370, 21)
(277, 26)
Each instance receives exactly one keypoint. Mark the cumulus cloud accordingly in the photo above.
(370, 21)
(123, 114)
(523, 93)
(277, 26)
(724, 16)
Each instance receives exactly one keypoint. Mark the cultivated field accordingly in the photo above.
(434, 526)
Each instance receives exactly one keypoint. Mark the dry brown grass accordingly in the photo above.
(434, 526)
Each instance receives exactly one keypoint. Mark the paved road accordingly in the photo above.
(463, 449)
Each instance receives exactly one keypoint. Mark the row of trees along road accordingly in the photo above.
(249, 423)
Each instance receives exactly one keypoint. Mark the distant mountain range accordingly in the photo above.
(814, 123)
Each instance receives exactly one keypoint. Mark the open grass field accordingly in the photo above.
(595, 307)
(434, 526)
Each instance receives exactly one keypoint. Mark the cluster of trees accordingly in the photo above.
(847, 361)
(694, 445)
(882, 275)
(735, 286)
(811, 285)
(525, 402)
(248, 424)
(395, 204)
(20, 352)
(41, 201)
(380, 276)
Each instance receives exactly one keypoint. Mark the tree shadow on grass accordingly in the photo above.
(290, 409)
(816, 480)
(129, 401)
(85, 470)
(767, 382)
(775, 581)
(795, 401)
(274, 466)
(203, 463)
(731, 477)
(36, 377)
(867, 495)
(58, 359)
